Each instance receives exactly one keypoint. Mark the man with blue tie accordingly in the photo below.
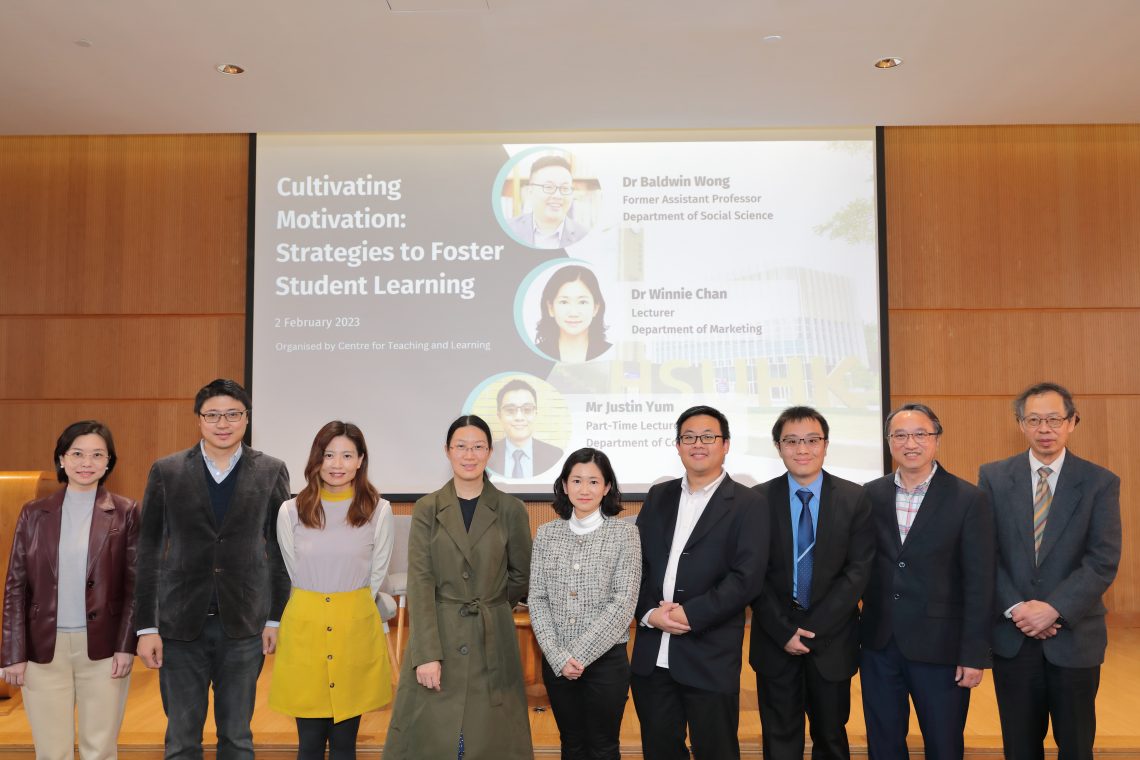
(805, 623)
(1058, 543)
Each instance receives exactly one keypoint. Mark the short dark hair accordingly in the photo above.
(73, 431)
(469, 420)
(696, 411)
(553, 160)
(921, 409)
(1036, 390)
(514, 385)
(611, 502)
(795, 414)
(222, 387)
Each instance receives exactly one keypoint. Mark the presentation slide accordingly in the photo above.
(570, 293)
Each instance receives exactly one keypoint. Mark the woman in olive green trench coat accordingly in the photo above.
(461, 672)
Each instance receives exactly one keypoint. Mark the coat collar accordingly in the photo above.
(450, 516)
(931, 503)
(102, 522)
(720, 504)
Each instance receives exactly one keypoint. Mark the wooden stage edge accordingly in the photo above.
(1118, 730)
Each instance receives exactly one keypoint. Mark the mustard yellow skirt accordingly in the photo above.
(332, 657)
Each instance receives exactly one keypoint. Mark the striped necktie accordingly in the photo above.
(1041, 501)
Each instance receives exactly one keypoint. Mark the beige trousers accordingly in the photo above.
(52, 692)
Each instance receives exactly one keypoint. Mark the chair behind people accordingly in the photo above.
(396, 583)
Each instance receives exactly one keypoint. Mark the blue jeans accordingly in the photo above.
(188, 670)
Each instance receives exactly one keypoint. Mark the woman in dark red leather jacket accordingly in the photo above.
(69, 637)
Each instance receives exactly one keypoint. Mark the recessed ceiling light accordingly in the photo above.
(230, 68)
(888, 63)
(84, 43)
(773, 38)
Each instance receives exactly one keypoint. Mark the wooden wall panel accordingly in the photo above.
(1014, 257)
(120, 357)
(149, 224)
(1034, 217)
(123, 289)
(144, 430)
(968, 352)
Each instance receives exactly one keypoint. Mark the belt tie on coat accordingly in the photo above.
(482, 608)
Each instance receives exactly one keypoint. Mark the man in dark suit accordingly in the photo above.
(211, 584)
(704, 547)
(928, 607)
(550, 194)
(805, 624)
(1058, 544)
(519, 455)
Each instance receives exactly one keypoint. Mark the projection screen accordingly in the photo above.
(572, 292)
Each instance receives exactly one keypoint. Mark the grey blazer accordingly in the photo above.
(1079, 555)
(522, 227)
(183, 553)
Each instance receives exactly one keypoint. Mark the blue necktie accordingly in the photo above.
(805, 537)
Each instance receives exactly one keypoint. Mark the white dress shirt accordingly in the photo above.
(689, 511)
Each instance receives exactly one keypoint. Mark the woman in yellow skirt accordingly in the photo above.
(336, 538)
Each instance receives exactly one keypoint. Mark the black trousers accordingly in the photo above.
(785, 697)
(1031, 690)
(665, 708)
(314, 733)
(589, 709)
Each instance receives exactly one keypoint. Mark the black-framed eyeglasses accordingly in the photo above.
(550, 188)
(1033, 421)
(922, 437)
(811, 441)
(233, 415)
(689, 438)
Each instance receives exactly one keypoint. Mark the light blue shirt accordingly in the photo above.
(215, 473)
(816, 486)
(527, 462)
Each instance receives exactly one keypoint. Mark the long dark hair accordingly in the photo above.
(611, 502)
(547, 334)
(365, 497)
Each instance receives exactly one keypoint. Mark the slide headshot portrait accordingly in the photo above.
(521, 454)
(571, 325)
(548, 208)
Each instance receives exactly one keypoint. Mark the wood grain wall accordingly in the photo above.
(122, 289)
(1014, 256)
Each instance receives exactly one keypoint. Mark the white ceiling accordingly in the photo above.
(355, 65)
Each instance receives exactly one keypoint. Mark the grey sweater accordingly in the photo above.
(583, 589)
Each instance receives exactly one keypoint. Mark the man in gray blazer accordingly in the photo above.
(1058, 538)
(211, 584)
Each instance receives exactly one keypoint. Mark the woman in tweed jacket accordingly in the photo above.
(585, 575)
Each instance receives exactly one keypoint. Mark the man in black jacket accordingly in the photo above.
(704, 547)
(928, 608)
(211, 584)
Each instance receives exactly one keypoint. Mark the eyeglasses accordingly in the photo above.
(811, 441)
(510, 410)
(76, 456)
(233, 415)
(1033, 421)
(899, 438)
(550, 189)
(463, 448)
(689, 439)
